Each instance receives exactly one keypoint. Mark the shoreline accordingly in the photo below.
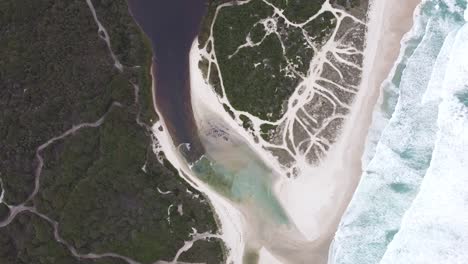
(378, 120)
(387, 25)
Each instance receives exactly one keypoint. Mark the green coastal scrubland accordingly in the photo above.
(259, 78)
(103, 185)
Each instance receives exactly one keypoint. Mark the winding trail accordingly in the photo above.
(26, 207)
(188, 244)
(102, 33)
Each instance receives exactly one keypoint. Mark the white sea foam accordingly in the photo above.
(454, 6)
(402, 155)
(438, 74)
(435, 228)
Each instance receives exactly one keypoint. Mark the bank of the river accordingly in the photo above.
(171, 27)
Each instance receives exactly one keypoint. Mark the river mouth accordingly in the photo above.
(233, 169)
(223, 162)
(214, 154)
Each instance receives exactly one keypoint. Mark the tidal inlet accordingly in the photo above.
(271, 110)
(233, 132)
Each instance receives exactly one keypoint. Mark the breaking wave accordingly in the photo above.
(411, 204)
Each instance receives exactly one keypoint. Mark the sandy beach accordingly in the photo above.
(318, 197)
(317, 203)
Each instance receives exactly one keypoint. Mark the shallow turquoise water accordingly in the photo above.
(463, 97)
(247, 184)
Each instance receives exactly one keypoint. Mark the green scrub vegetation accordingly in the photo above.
(29, 239)
(261, 57)
(100, 184)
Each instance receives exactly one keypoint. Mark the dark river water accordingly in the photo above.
(172, 26)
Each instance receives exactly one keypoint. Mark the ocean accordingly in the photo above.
(411, 204)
